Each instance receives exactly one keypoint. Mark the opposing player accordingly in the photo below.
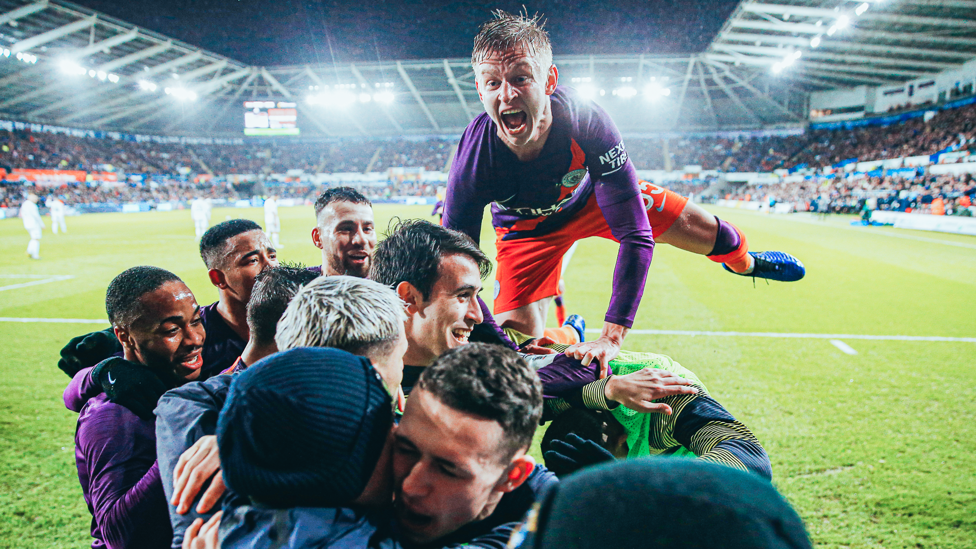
(33, 223)
(57, 215)
(272, 223)
(200, 212)
(556, 170)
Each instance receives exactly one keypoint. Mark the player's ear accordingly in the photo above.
(410, 295)
(518, 472)
(217, 278)
(315, 237)
(552, 79)
(125, 339)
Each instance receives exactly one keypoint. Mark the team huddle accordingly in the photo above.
(376, 401)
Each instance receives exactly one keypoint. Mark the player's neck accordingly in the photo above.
(234, 314)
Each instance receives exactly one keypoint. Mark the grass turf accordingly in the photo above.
(876, 449)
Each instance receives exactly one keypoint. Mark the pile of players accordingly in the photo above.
(375, 401)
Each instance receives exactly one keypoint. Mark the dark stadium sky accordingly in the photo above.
(278, 32)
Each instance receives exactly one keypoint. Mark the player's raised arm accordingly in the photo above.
(467, 196)
(615, 185)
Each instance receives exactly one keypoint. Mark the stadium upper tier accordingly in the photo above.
(62, 64)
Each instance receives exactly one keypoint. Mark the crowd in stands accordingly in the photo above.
(939, 195)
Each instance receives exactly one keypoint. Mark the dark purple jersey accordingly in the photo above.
(222, 347)
(583, 155)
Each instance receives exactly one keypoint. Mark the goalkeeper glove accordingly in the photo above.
(566, 456)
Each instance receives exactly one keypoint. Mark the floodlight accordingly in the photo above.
(861, 9)
(778, 68)
(92, 73)
(832, 30)
(625, 92)
(815, 42)
(6, 52)
(842, 22)
(146, 85)
(102, 75)
(365, 98)
(113, 78)
(70, 67)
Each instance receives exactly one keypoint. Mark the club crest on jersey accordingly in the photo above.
(573, 178)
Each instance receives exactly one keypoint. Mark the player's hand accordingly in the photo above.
(602, 350)
(88, 350)
(203, 536)
(129, 384)
(639, 390)
(538, 347)
(568, 455)
(195, 466)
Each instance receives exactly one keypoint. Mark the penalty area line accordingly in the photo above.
(44, 279)
(788, 335)
(54, 320)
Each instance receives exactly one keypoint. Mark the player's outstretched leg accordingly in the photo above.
(732, 251)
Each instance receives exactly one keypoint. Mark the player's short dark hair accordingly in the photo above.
(492, 382)
(273, 289)
(122, 297)
(505, 31)
(339, 194)
(412, 251)
(214, 241)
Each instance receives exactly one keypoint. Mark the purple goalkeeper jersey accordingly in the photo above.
(583, 155)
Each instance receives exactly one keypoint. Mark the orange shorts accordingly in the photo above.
(529, 269)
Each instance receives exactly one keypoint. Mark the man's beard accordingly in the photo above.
(340, 266)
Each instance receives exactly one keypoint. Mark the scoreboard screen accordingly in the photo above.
(270, 118)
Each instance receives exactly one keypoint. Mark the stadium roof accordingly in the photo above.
(849, 42)
(70, 66)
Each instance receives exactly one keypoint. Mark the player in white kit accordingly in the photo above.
(200, 212)
(33, 223)
(272, 223)
(57, 215)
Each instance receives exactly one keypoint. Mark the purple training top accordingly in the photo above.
(115, 452)
(583, 155)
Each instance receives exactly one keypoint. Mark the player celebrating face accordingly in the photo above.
(555, 169)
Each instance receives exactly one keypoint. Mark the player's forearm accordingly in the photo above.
(138, 518)
(80, 389)
(633, 260)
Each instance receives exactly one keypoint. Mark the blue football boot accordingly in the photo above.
(773, 266)
(577, 323)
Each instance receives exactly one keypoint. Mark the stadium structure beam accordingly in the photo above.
(136, 56)
(844, 45)
(416, 95)
(827, 13)
(755, 91)
(769, 61)
(384, 108)
(849, 79)
(108, 43)
(234, 99)
(778, 54)
(348, 116)
(52, 35)
(735, 98)
(707, 95)
(204, 90)
(457, 89)
(805, 77)
(790, 10)
(188, 77)
(964, 4)
(902, 19)
(684, 90)
(23, 11)
(797, 28)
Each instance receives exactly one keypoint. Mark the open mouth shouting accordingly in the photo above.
(514, 121)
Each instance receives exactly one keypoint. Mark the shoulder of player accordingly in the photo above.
(101, 421)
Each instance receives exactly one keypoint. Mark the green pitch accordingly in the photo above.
(876, 449)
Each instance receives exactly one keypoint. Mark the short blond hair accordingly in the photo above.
(505, 32)
(353, 314)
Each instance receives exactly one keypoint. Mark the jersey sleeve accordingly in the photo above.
(702, 425)
(618, 196)
(183, 416)
(126, 492)
(468, 181)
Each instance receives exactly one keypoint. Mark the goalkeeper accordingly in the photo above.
(689, 425)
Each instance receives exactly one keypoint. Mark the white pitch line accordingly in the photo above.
(843, 346)
(34, 282)
(787, 335)
(54, 320)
